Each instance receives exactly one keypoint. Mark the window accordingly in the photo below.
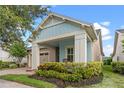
(70, 54)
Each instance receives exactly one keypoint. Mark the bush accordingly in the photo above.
(69, 67)
(54, 66)
(6, 64)
(62, 76)
(13, 66)
(0, 64)
(107, 61)
(70, 71)
(118, 67)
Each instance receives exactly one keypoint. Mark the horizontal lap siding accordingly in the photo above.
(56, 30)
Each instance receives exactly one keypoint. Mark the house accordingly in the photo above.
(60, 38)
(4, 55)
(118, 55)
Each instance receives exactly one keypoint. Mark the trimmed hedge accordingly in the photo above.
(13, 66)
(118, 67)
(7, 65)
(62, 76)
(71, 72)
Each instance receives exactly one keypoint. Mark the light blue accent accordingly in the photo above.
(59, 29)
(62, 45)
(89, 51)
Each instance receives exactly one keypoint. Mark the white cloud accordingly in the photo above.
(105, 31)
(108, 49)
(107, 37)
(106, 23)
(122, 27)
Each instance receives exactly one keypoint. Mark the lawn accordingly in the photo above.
(111, 80)
(24, 79)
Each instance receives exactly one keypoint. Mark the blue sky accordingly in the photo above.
(108, 18)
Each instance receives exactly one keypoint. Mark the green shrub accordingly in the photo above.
(53, 66)
(118, 67)
(69, 67)
(62, 76)
(5, 64)
(0, 64)
(122, 69)
(107, 61)
(13, 66)
(70, 71)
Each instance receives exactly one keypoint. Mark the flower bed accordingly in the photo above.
(66, 74)
(118, 67)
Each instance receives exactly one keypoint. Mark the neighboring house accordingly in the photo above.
(5, 56)
(118, 55)
(60, 38)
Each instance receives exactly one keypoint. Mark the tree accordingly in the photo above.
(15, 21)
(18, 50)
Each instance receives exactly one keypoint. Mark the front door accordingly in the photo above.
(44, 57)
(70, 54)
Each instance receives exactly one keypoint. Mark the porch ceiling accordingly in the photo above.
(55, 43)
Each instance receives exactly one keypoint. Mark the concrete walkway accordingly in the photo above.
(16, 71)
(10, 84)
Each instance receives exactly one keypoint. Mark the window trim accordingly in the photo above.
(71, 54)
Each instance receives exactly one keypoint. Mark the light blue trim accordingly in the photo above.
(89, 51)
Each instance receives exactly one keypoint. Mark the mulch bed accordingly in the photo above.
(60, 83)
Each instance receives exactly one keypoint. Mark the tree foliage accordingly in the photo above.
(18, 50)
(15, 21)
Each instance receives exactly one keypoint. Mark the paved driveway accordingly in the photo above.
(16, 71)
(10, 84)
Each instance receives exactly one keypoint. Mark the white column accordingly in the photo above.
(28, 56)
(35, 56)
(29, 60)
(81, 47)
(92, 51)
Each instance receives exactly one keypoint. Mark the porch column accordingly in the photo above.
(92, 51)
(81, 47)
(35, 56)
(29, 60)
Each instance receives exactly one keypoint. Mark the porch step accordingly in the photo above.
(30, 70)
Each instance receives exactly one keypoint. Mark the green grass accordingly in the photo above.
(110, 80)
(24, 79)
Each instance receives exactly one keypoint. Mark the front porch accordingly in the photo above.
(75, 48)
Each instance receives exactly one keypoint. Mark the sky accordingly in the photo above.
(107, 18)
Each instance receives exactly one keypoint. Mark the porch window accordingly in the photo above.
(70, 54)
